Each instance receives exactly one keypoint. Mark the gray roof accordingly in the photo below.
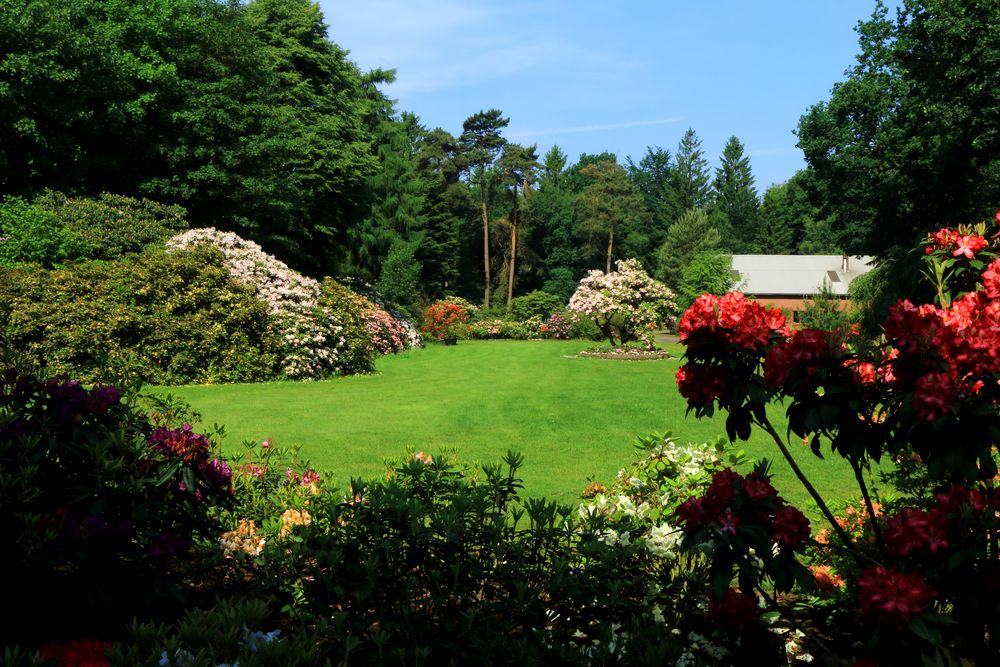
(797, 275)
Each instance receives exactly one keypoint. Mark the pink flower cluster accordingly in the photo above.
(628, 297)
(733, 501)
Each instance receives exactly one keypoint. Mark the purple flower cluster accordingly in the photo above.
(182, 442)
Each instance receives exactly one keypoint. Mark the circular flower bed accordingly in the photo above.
(625, 353)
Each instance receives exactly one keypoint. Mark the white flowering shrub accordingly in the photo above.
(310, 335)
(626, 305)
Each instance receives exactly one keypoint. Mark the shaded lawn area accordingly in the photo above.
(573, 419)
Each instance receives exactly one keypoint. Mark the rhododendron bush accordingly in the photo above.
(626, 304)
(912, 575)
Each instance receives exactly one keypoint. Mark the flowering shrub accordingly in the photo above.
(101, 506)
(558, 327)
(311, 337)
(626, 305)
(920, 577)
(445, 319)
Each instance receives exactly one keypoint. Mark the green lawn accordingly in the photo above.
(571, 418)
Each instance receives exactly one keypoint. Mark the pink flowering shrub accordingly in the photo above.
(920, 576)
(626, 304)
(310, 336)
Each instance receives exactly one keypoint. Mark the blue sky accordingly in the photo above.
(617, 76)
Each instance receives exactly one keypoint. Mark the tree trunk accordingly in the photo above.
(513, 251)
(611, 245)
(486, 247)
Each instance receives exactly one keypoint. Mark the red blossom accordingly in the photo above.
(790, 527)
(691, 513)
(699, 322)
(969, 245)
(737, 611)
(958, 497)
(892, 598)
(729, 522)
(913, 530)
(933, 396)
(790, 364)
(700, 384)
(720, 492)
(758, 488)
(79, 653)
(732, 320)
(991, 279)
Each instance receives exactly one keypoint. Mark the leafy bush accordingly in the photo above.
(112, 226)
(31, 234)
(535, 303)
(164, 318)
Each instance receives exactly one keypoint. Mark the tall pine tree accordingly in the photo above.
(735, 204)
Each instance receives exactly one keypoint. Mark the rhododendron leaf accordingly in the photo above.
(920, 629)
(168, 473)
(815, 446)
(187, 474)
(721, 578)
(803, 577)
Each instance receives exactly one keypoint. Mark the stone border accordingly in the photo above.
(629, 355)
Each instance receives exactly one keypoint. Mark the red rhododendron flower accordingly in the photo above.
(729, 522)
(700, 384)
(699, 322)
(737, 611)
(758, 488)
(892, 598)
(720, 492)
(958, 497)
(913, 329)
(790, 527)
(915, 530)
(691, 513)
(943, 238)
(933, 396)
(991, 280)
(789, 364)
(969, 245)
(80, 653)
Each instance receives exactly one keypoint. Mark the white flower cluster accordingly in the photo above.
(310, 335)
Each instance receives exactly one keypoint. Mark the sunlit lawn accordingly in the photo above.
(573, 419)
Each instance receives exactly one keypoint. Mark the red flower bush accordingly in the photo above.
(736, 611)
(442, 319)
(701, 385)
(730, 320)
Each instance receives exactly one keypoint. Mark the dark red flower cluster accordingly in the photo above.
(915, 329)
(933, 396)
(913, 530)
(735, 610)
(79, 653)
(792, 364)
(958, 497)
(733, 500)
(701, 384)
(790, 527)
(893, 598)
(183, 442)
(731, 320)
